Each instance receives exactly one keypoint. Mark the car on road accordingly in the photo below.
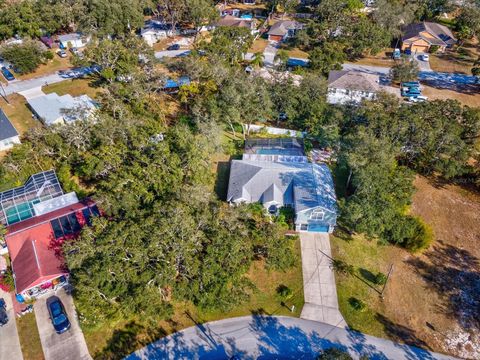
(62, 53)
(58, 315)
(3, 313)
(174, 47)
(424, 57)
(7, 74)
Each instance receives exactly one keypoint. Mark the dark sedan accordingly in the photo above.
(3, 312)
(58, 316)
(7, 74)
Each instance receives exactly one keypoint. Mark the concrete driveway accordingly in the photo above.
(9, 342)
(422, 65)
(320, 290)
(67, 346)
(269, 54)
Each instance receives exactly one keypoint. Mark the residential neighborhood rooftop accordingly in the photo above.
(7, 130)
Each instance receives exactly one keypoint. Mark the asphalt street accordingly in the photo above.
(265, 337)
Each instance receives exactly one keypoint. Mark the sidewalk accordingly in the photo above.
(320, 291)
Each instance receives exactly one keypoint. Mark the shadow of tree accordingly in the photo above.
(128, 339)
(400, 333)
(367, 275)
(454, 273)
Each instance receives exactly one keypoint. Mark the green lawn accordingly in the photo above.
(29, 338)
(368, 258)
(117, 339)
(74, 87)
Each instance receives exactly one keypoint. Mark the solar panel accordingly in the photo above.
(17, 204)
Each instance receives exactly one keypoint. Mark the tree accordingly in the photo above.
(391, 15)
(25, 57)
(334, 354)
(476, 68)
(229, 44)
(199, 13)
(257, 60)
(281, 58)
(404, 70)
(327, 57)
(468, 22)
(366, 37)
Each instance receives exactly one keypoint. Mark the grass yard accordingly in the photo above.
(470, 99)
(430, 298)
(297, 53)
(383, 58)
(29, 338)
(115, 340)
(459, 60)
(56, 64)
(74, 87)
(18, 113)
(258, 45)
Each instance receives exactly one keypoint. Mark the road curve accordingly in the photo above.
(265, 337)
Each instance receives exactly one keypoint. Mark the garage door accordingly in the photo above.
(317, 228)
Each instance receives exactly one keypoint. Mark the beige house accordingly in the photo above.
(419, 37)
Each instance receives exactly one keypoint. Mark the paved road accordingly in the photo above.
(171, 53)
(256, 337)
(9, 343)
(320, 291)
(67, 346)
(22, 85)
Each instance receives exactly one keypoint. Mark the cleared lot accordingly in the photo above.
(69, 345)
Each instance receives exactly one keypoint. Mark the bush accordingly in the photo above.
(6, 281)
(411, 233)
(284, 292)
(433, 49)
(334, 354)
(357, 304)
(380, 279)
(342, 267)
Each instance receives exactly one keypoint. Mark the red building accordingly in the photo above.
(36, 228)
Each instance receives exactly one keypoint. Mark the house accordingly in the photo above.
(276, 173)
(38, 217)
(420, 37)
(8, 133)
(73, 40)
(47, 41)
(154, 30)
(348, 86)
(54, 109)
(237, 22)
(283, 30)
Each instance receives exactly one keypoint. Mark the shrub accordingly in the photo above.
(342, 267)
(411, 233)
(380, 279)
(334, 354)
(433, 49)
(357, 304)
(284, 292)
(6, 281)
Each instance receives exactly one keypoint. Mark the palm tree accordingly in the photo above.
(257, 60)
(282, 58)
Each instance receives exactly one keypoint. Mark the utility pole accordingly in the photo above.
(4, 93)
(386, 281)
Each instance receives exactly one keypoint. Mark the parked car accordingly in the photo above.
(58, 315)
(417, 99)
(62, 53)
(174, 47)
(396, 54)
(424, 57)
(74, 51)
(3, 313)
(7, 74)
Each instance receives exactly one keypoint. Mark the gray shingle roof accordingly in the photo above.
(305, 185)
(442, 34)
(353, 80)
(281, 27)
(7, 130)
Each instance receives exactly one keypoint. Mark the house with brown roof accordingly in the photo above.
(282, 30)
(420, 37)
(229, 20)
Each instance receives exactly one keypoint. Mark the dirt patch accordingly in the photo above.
(431, 299)
(470, 99)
